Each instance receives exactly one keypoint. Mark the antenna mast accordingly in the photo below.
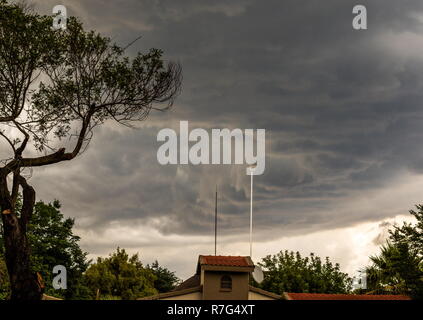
(251, 214)
(215, 224)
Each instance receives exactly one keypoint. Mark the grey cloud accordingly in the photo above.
(342, 110)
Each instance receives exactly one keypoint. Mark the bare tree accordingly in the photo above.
(56, 86)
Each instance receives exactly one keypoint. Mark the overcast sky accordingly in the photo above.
(342, 111)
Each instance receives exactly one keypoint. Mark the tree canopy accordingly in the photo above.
(410, 233)
(166, 280)
(398, 268)
(63, 83)
(289, 272)
(120, 276)
(54, 243)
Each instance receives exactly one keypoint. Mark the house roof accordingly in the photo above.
(225, 263)
(231, 261)
(192, 282)
(46, 297)
(265, 293)
(176, 293)
(172, 294)
(324, 296)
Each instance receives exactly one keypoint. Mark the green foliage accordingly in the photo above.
(396, 270)
(399, 266)
(116, 277)
(53, 243)
(166, 280)
(289, 272)
(409, 233)
(120, 277)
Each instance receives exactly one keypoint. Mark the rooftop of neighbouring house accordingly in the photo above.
(323, 296)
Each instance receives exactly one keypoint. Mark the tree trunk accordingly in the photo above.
(23, 282)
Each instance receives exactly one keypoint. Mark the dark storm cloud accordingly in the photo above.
(342, 110)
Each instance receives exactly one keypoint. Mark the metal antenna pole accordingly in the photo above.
(251, 215)
(215, 224)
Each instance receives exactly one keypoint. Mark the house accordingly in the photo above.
(228, 278)
(219, 278)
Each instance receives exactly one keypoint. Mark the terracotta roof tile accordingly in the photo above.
(232, 261)
(323, 296)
